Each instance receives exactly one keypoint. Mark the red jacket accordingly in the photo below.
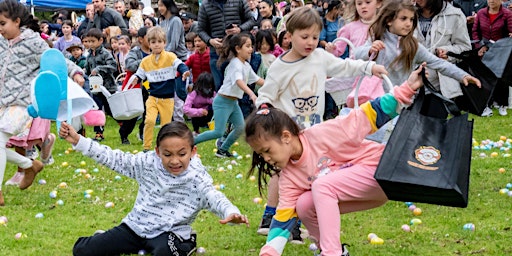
(199, 63)
(483, 29)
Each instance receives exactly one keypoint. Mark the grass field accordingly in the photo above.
(441, 233)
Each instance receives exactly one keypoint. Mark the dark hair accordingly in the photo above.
(153, 20)
(204, 85)
(175, 129)
(142, 31)
(68, 23)
(170, 5)
(303, 18)
(126, 38)
(280, 39)
(267, 123)
(264, 35)
(13, 10)
(434, 6)
(333, 4)
(271, 6)
(408, 44)
(134, 4)
(94, 32)
(189, 37)
(229, 45)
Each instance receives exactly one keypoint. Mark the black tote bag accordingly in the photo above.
(499, 59)
(428, 159)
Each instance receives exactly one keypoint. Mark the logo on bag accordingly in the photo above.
(426, 155)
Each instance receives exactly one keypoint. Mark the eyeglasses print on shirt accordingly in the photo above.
(305, 104)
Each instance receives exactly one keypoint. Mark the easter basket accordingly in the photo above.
(125, 104)
(427, 159)
(95, 83)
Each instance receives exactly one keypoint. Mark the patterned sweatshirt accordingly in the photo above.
(160, 70)
(165, 203)
(321, 155)
(19, 65)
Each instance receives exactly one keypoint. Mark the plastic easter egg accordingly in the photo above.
(239, 158)
(494, 154)
(89, 191)
(252, 178)
(222, 186)
(469, 226)
(3, 220)
(412, 207)
(313, 247)
(417, 212)
(509, 193)
(60, 202)
(117, 178)
(83, 163)
(42, 182)
(53, 194)
(64, 164)
(482, 155)
(236, 143)
(504, 191)
(509, 185)
(235, 154)
(39, 216)
(503, 138)
(415, 222)
(248, 156)
(371, 236)
(19, 236)
(63, 185)
(141, 252)
(230, 167)
(95, 170)
(406, 228)
(66, 152)
(135, 151)
(214, 150)
(217, 187)
(257, 200)
(233, 162)
(239, 176)
(506, 155)
(200, 251)
(221, 169)
(377, 241)
(501, 170)
(109, 205)
(409, 203)
(87, 196)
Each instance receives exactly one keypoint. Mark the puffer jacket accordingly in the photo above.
(499, 28)
(215, 15)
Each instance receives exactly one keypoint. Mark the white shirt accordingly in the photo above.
(236, 70)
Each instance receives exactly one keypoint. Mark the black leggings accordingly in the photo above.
(122, 240)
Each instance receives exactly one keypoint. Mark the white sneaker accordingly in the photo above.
(487, 112)
(502, 110)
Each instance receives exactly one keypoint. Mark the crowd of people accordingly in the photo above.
(253, 65)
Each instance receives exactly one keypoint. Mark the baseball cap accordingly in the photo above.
(73, 46)
(148, 11)
(187, 16)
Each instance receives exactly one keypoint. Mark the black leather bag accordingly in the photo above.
(428, 159)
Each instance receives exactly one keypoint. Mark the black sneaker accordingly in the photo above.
(295, 236)
(264, 226)
(218, 142)
(345, 250)
(125, 141)
(223, 153)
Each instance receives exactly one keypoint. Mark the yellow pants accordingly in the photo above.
(155, 106)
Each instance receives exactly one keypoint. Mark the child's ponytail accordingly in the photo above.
(13, 10)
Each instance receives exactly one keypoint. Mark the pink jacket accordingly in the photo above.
(195, 104)
(356, 32)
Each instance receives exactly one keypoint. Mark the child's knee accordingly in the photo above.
(150, 122)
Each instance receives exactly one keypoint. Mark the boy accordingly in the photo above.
(159, 68)
(132, 63)
(100, 62)
(199, 61)
(76, 51)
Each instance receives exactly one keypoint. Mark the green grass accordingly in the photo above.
(440, 234)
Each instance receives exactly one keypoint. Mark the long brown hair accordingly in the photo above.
(408, 44)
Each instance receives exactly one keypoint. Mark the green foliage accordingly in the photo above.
(440, 234)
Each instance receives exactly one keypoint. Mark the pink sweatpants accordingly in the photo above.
(348, 190)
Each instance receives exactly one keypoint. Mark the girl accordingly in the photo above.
(493, 23)
(296, 84)
(332, 22)
(357, 30)
(174, 187)
(393, 42)
(67, 39)
(21, 47)
(198, 104)
(264, 47)
(237, 49)
(135, 14)
(321, 177)
(283, 43)
(437, 20)
(149, 22)
(266, 24)
(124, 43)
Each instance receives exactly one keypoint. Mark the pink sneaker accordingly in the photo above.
(46, 149)
(15, 180)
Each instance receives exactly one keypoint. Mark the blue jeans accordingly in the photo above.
(217, 75)
(224, 110)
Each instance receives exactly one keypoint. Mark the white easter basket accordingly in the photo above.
(95, 83)
(126, 104)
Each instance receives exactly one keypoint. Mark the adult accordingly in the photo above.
(171, 23)
(120, 7)
(332, 22)
(189, 22)
(148, 12)
(470, 8)
(253, 7)
(105, 17)
(149, 22)
(89, 17)
(441, 29)
(267, 11)
(218, 18)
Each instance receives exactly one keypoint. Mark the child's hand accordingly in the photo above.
(482, 51)
(379, 70)
(235, 219)
(253, 97)
(93, 72)
(185, 76)
(135, 81)
(329, 47)
(442, 53)
(68, 133)
(415, 80)
(377, 45)
(471, 79)
(79, 79)
(205, 112)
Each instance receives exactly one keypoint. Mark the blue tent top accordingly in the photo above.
(54, 4)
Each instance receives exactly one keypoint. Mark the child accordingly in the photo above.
(113, 45)
(135, 22)
(283, 43)
(21, 48)
(237, 49)
(199, 61)
(198, 104)
(132, 63)
(394, 44)
(67, 39)
(296, 85)
(321, 177)
(264, 47)
(159, 69)
(124, 44)
(174, 187)
(100, 62)
(76, 51)
(266, 24)
(493, 23)
(357, 30)
(189, 43)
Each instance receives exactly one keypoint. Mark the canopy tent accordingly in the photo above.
(54, 4)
